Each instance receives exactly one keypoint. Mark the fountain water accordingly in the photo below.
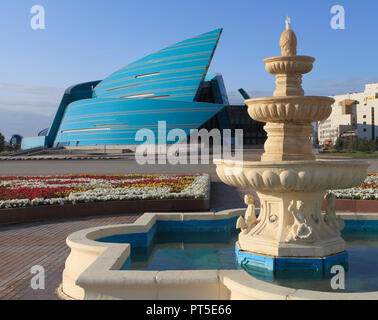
(291, 231)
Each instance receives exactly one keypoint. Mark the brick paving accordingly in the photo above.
(26, 245)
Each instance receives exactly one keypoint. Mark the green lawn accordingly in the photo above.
(357, 154)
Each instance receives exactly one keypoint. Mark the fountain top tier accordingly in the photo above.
(289, 113)
(288, 68)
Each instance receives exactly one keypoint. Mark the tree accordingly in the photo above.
(351, 145)
(371, 147)
(14, 147)
(339, 145)
(2, 142)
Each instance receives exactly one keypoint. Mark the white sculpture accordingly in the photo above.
(300, 230)
(330, 218)
(249, 221)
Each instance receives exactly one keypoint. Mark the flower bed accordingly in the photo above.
(59, 190)
(367, 191)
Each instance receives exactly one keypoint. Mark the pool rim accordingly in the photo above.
(92, 269)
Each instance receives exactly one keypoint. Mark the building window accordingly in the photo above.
(147, 75)
(364, 117)
(142, 95)
(159, 97)
(124, 87)
(86, 129)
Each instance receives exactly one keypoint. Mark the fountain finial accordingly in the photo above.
(288, 41)
(288, 23)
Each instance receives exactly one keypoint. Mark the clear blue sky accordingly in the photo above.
(89, 39)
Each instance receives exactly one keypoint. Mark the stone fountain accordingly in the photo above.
(291, 231)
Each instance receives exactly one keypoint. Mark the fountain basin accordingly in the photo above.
(92, 270)
(292, 176)
(291, 223)
(289, 64)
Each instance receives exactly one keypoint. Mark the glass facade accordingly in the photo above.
(254, 133)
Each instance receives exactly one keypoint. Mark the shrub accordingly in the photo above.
(363, 145)
(14, 147)
(351, 145)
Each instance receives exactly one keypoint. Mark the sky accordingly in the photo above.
(87, 40)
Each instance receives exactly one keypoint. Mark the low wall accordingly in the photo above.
(54, 212)
(349, 205)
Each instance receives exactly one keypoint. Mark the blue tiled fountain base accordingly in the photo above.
(271, 267)
(267, 267)
(138, 240)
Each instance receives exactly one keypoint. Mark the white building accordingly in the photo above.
(352, 112)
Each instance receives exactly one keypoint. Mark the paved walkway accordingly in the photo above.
(23, 246)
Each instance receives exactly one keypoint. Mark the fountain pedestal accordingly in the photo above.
(291, 231)
(292, 224)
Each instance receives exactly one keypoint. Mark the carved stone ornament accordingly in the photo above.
(249, 221)
(330, 218)
(300, 230)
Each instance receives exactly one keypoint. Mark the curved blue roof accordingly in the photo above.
(173, 73)
(162, 86)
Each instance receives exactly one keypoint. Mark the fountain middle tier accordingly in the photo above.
(298, 109)
(289, 125)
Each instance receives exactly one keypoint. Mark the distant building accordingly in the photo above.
(15, 139)
(352, 114)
